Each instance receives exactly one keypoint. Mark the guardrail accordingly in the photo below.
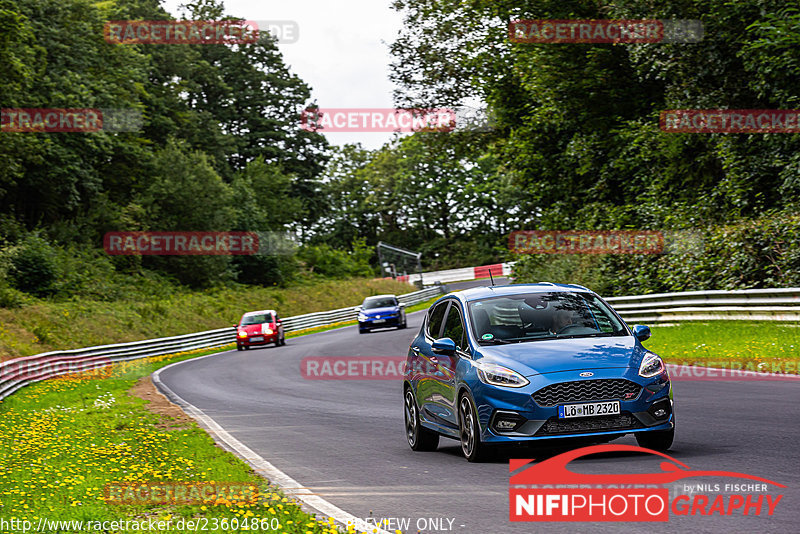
(19, 372)
(782, 304)
(458, 275)
(311, 320)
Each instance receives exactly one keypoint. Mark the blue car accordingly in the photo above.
(381, 311)
(532, 362)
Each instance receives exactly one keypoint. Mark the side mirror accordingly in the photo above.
(236, 326)
(356, 308)
(641, 332)
(401, 305)
(444, 345)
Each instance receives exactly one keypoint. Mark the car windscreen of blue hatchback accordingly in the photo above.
(532, 362)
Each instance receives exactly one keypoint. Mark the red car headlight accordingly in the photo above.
(242, 333)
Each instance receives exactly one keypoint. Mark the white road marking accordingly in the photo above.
(275, 476)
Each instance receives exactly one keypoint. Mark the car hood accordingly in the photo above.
(381, 311)
(255, 329)
(541, 357)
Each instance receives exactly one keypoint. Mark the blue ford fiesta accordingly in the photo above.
(529, 362)
(381, 311)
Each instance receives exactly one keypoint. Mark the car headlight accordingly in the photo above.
(497, 375)
(266, 331)
(242, 333)
(652, 365)
(362, 317)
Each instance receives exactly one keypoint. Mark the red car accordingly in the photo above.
(259, 328)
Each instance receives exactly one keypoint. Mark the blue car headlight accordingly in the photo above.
(651, 366)
(362, 317)
(497, 375)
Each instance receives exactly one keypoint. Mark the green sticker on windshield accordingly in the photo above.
(487, 337)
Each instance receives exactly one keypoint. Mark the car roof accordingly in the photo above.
(379, 296)
(476, 293)
(259, 312)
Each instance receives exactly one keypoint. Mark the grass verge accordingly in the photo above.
(758, 345)
(63, 440)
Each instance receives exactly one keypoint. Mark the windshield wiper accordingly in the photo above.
(496, 340)
(526, 339)
(598, 334)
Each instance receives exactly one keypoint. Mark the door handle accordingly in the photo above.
(415, 349)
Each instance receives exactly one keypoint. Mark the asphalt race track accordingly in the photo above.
(345, 440)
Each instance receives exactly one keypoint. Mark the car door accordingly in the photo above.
(446, 363)
(422, 362)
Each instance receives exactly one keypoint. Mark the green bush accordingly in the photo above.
(12, 298)
(33, 266)
(333, 263)
(272, 270)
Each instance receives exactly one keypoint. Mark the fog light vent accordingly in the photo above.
(660, 409)
(507, 421)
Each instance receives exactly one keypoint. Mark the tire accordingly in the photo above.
(471, 445)
(277, 342)
(362, 331)
(405, 323)
(658, 440)
(283, 340)
(419, 438)
(239, 347)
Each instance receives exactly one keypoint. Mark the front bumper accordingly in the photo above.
(248, 341)
(383, 322)
(500, 408)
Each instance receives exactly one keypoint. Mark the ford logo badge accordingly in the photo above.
(587, 374)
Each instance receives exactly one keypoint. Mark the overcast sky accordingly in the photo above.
(341, 52)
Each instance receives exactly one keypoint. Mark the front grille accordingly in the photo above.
(587, 391)
(584, 425)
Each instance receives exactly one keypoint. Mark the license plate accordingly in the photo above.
(257, 338)
(376, 321)
(588, 409)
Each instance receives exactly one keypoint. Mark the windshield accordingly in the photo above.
(538, 316)
(379, 302)
(257, 318)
